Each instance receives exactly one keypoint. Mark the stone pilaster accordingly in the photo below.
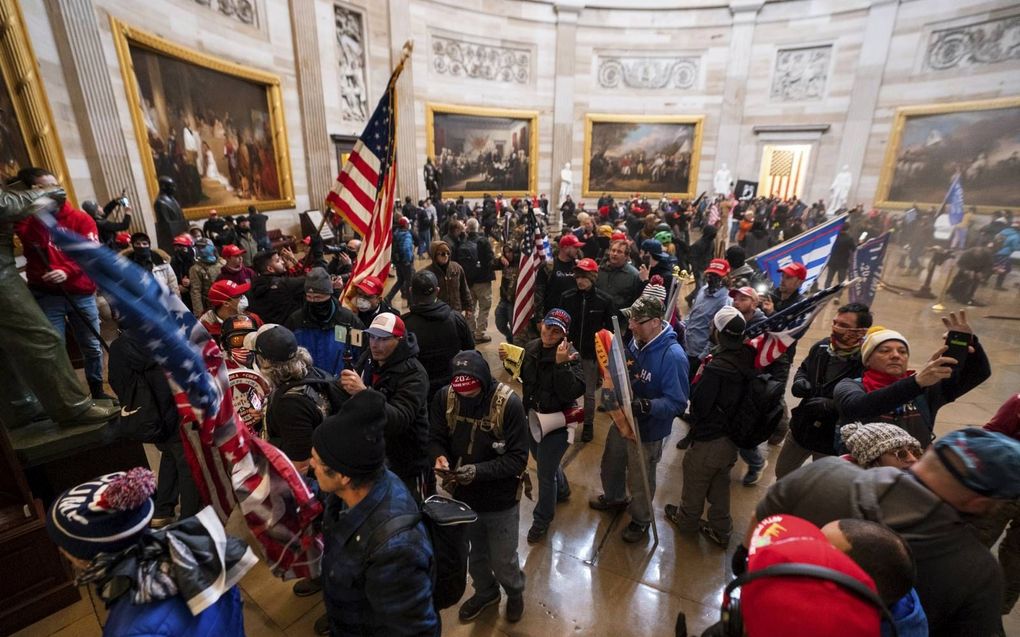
(410, 181)
(313, 106)
(567, 12)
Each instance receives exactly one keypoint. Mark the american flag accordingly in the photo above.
(533, 251)
(230, 467)
(954, 200)
(773, 336)
(811, 248)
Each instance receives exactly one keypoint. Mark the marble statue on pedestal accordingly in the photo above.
(840, 189)
(722, 181)
(566, 182)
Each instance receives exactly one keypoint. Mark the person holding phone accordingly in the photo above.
(888, 391)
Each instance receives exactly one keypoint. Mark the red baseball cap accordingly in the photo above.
(618, 236)
(747, 291)
(224, 290)
(570, 240)
(587, 265)
(184, 240)
(123, 237)
(402, 222)
(718, 266)
(796, 270)
(371, 286)
(385, 325)
(230, 250)
(802, 606)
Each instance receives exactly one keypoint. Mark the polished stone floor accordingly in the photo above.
(582, 578)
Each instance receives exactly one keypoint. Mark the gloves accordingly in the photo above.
(641, 406)
(466, 474)
(739, 560)
(801, 388)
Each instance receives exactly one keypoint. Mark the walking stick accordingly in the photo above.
(67, 297)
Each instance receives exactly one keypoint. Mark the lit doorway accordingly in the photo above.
(783, 170)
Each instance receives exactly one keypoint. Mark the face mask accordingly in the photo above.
(143, 254)
(362, 304)
(241, 356)
(242, 304)
(321, 310)
(713, 282)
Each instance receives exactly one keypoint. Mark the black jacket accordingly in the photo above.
(274, 297)
(549, 386)
(553, 283)
(715, 396)
(842, 249)
(589, 312)
(623, 285)
(141, 386)
(441, 333)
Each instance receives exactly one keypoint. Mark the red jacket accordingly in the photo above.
(35, 238)
(1007, 419)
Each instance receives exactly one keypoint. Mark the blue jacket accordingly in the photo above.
(660, 374)
(909, 617)
(389, 592)
(171, 617)
(320, 339)
(403, 246)
(699, 320)
(1010, 242)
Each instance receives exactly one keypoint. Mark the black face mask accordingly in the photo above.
(713, 282)
(143, 255)
(320, 311)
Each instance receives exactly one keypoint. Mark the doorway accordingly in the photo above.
(783, 170)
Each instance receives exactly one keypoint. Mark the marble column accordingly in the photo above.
(731, 115)
(410, 181)
(313, 105)
(567, 12)
(80, 40)
(868, 74)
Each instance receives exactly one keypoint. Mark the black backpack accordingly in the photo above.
(446, 521)
(466, 254)
(759, 411)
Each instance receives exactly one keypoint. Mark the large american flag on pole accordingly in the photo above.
(776, 334)
(230, 467)
(533, 250)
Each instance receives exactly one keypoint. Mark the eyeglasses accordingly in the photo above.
(442, 254)
(906, 453)
(637, 322)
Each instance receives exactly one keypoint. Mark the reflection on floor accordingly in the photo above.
(639, 589)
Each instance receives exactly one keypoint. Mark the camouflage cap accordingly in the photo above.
(646, 307)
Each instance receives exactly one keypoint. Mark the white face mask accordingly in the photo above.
(242, 304)
(363, 304)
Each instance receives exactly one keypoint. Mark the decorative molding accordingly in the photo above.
(241, 10)
(491, 62)
(974, 44)
(801, 73)
(352, 48)
(647, 72)
(791, 128)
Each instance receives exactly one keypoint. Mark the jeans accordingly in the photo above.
(706, 476)
(753, 458)
(481, 303)
(403, 284)
(552, 482)
(492, 558)
(621, 469)
(591, 382)
(424, 240)
(504, 312)
(175, 480)
(56, 307)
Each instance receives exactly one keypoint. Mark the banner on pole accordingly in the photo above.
(866, 269)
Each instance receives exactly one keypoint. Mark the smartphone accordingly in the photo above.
(357, 336)
(958, 342)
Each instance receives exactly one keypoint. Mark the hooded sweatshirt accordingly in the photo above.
(659, 374)
(441, 333)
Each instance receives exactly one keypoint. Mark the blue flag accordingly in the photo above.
(866, 269)
(811, 248)
(954, 200)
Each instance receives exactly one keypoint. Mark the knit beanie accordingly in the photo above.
(655, 288)
(866, 442)
(103, 515)
(351, 441)
(876, 336)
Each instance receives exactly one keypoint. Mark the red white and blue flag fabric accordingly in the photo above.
(954, 200)
(230, 466)
(811, 248)
(776, 334)
(866, 269)
(533, 253)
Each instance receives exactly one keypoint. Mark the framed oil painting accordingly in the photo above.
(214, 126)
(483, 150)
(651, 155)
(930, 144)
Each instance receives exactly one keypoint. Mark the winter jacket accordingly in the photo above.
(1010, 238)
(623, 285)
(906, 404)
(403, 381)
(553, 281)
(720, 388)
(498, 462)
(756, 241)
(664, 269)
(842, 250)
(159, 267)
(701, 250)
(549, 386)
(275, 297)
(441, 333)
(589, 312)
(141, 386)
(699, 320)
(172, 618)
(659, 374)
(453, 285)
(403, 246)
(958, 581)
(388, 592)
(41, 255)
(482, 272)
(240, 276)
(246, 241)
(319, 337)
(202, 276)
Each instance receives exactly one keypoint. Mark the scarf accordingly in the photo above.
(873, 379)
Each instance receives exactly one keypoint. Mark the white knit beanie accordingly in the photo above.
(878, 335)
(866, 442)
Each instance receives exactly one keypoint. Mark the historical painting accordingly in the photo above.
(650, 155)
(931, 144)
(13, 151)
(483, 150)
(213, 126)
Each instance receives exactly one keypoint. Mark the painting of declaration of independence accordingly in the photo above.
(482, 150)
(929, 144)
(627, 154)
(214, 127)
(13, 152)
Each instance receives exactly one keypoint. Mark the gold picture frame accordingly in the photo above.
(24, 93)
(467, 166)
(929, 143)
(610, 174)
(251, 162)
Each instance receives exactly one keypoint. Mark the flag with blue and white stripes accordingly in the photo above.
(811, 248)
(954, 200)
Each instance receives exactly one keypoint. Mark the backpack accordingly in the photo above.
(759, 411)
(492, 422)
(466, 254)
(445, 521)
(424, 223)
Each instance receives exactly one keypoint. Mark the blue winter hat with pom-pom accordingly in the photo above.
(104, 515)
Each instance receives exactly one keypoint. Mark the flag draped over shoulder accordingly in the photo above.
(533, 252)
(811, 248)
(866, 269)
(954, 200)
(230, 467)
(776, 334)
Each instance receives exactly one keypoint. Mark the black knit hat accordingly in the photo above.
(351, 441)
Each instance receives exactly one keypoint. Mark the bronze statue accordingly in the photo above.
(170, 220)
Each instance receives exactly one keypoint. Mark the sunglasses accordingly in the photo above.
(906, 453)
(442, 254)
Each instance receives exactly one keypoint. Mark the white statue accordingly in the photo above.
(722, 180)
(566, 182)
(840, 189)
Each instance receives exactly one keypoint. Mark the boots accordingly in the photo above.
(96, 389)
(95, 414)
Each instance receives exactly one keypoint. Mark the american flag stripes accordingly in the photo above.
(811, 248)
(533, 251)
(773, 336)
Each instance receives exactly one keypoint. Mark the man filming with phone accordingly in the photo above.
(889, 391)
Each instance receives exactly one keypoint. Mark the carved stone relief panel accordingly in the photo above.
(241, 10)
(647, 72)
(350, 38)
(974, 44)
(492, 62)
(801, 73)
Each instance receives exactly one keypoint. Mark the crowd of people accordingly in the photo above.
(382, 409)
